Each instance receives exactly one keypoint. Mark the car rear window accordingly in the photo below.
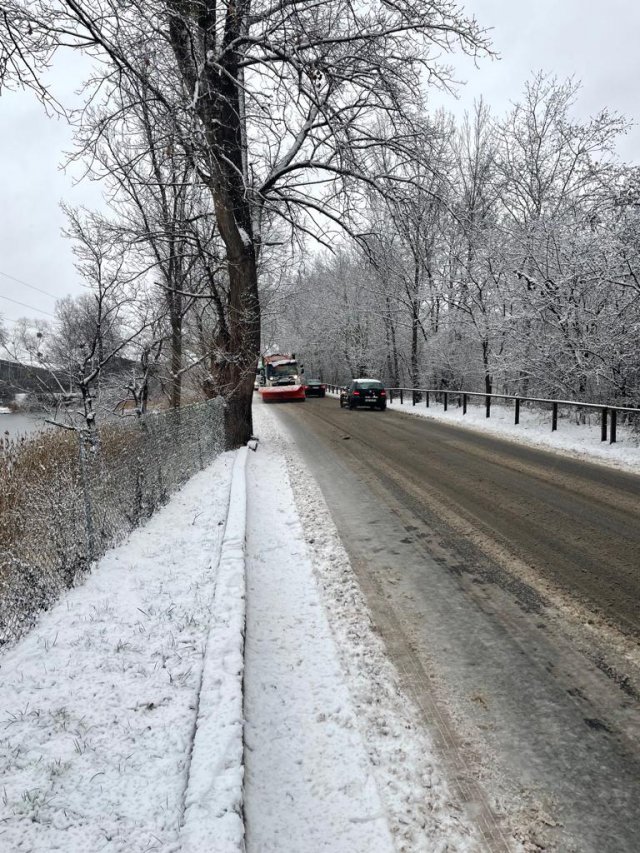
(369, 383)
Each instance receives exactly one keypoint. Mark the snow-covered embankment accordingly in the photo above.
(213, 818)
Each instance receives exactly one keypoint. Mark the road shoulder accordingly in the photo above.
(306, 586)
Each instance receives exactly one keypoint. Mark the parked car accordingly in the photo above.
(314, 388)
(364, 392)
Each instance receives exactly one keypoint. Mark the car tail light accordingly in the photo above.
(323, 388)
(356, 393)
(383, 393)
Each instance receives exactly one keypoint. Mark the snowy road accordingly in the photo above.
(505, 582)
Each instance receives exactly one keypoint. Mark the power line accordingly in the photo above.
(26, 284)
(30, 307)
(6, 320)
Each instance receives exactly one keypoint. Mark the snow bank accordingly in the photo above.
(98, 703)
(310, 785)
(213, 819)
(306, 582)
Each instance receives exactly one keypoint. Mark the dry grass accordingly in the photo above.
(65, 499)
(39, 479)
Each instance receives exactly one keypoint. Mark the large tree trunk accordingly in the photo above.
(220, 109)
(244, 349)
(393, 369)
(415, 322)
(415, 309)
(488, 378)
(176, 361)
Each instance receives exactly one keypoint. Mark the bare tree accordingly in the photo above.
(274, 102)
(93, 330)
(475, 247)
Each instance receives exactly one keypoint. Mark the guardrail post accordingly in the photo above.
(391, 395)
(603, 424)
(445, 399)
(401, 398)
(614, 425)
(487, 404)
(464, 404)
(427, 398)
(413, 396)
(554, 417)
(517, 417)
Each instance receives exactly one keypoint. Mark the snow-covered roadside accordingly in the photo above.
(294, 682)
(309, 783)
(98, 703)
(213, 819)
(579, 440)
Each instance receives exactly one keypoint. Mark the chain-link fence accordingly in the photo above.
(66, 497)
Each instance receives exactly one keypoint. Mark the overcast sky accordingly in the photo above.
(592, 40)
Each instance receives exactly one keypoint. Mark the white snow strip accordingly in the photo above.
(213, 820)
(98, 702)
(244, 236)
(420, 808)
(310, 785)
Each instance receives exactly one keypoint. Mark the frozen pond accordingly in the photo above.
(15, 424)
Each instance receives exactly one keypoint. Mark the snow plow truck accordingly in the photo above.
(280, 377)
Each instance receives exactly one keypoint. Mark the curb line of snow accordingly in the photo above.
(213, 818)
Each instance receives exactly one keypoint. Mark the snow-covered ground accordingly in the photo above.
(336, 754)
(308, 773)
(120, 712)
(580, 440)
(98, 704)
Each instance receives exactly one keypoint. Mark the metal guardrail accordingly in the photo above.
(608, 413)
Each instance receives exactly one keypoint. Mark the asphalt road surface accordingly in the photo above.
(505, 582)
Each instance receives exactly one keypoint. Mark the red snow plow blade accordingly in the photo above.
(280, 393)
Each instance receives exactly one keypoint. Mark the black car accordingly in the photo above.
(314, 388)
(364, 392)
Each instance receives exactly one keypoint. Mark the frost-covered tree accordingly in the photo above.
(531, 284)
(277, 104)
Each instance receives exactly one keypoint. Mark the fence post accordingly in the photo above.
(427, 396)
(614, 425)
(554, 417)
(86, 494)
(517, 418)
(603, 424)
(487, 403)
(464, 404)
(401, 397)
(445, 399)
